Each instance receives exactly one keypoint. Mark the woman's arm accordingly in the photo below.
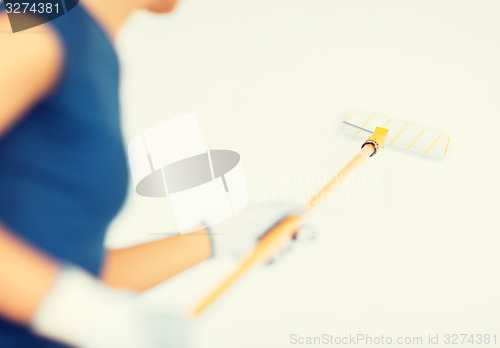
(26, 275)
(140, 267)
(29, 66)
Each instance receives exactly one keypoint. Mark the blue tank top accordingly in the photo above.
(63, 171)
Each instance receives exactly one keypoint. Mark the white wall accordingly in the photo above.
(411, 247)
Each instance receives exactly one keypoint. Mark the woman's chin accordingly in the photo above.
(164, 6)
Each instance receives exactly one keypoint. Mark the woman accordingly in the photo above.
(63, 177)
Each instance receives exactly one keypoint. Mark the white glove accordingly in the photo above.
(237, 235)
(80, 311)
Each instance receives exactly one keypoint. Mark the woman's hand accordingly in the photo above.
(81, 311)
(237, 235)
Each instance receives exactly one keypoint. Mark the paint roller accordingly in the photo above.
(405, 135)
(384, 130)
